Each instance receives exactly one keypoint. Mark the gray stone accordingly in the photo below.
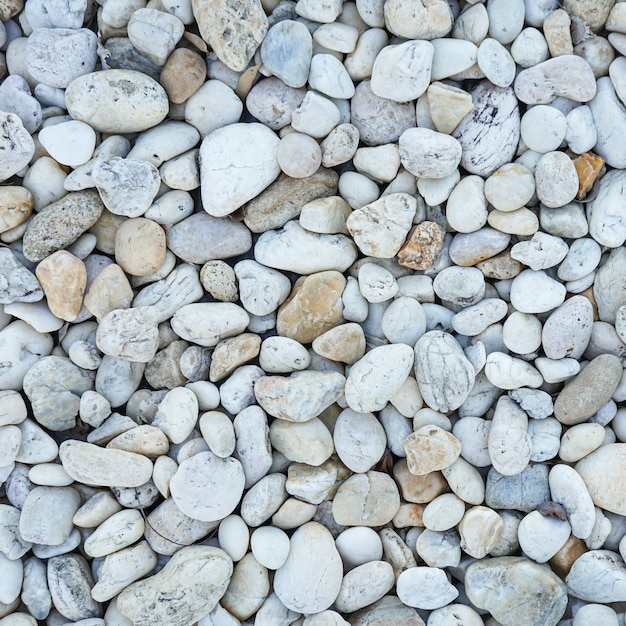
(522, 492)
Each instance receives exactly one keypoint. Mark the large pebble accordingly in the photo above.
(568, 489)
(607, 106)
(536, 596)
(414, 20)
(445, 377)
(204, 473)
(186, 589)
(249, 171)
(598, 576)
(369, 385)
(541, 537)
(588, 391)
(599, 471)
(418, 147)
(297, 583)
(359, 440)
(106, 467)
(568, 75)
(117, 101)
(208, 323)
(489, 134)
(606, 225)
(535, 292)
(425, 588)
(567, 331)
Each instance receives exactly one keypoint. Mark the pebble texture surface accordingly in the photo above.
(312, 313)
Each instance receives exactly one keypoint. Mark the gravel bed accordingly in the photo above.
(312, 312)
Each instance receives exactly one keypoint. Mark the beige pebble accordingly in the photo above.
(63, 278)
(480, 530)
(345, 343)
(183, 74)
(520, 222)
(580, 440)
(418, 489)
(313, 307)
(422, 246)
(430, 449)
(110, 290)
(140, 246)
(145, 439)
(230, 353)
(16, 205)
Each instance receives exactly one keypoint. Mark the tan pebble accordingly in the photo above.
(9, 8)
(147, 440)
(110, 290)
(418, 489)
(556, 29)
(602, 472)
(140, 246)
(230, 353)
(313, 307)
(520, 222)
(589, 168)
(422, 246)
(409, 515)
(480, 530)
(345, 343)
(501, 267)
(63, 278)
(105, 230)
(218, 278)
(562, 561)
(16, 205)
(448, 106)
(183, 74)
(430, 449)
(293, 513)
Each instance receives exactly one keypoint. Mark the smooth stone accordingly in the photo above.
(425, 588)
(252, 443)
(568, 489)
(364, 585)
(180, 287)
(597, 576)
(345, 343)
(233, 41)
(312, 11)
(379, 120)
(57, 56)
(205, 470)
(475, 319)
(444, 376)
(467, 208)
(541, 537)
(237, 392)
(301, 396)
(359, 440)
(447, 106)
(480, 530)
(61, 223)
(340, 145)
(202, 573)
(598, 613)
(507, 372)
(183, 74)
(70, 582)
(522, 492)
(248, 588)
(208, 323)
(288, 40)
(473, 433)
(376, 283)
(604, 106)
(402, 72)
(370, 499)
(556, 179)
(451, 57)
(282, 355)
(36, 445)
(566, 333)
(429, 449)
(509, 443)
(417, 146)
(92, 465)
(337, 36)
(35, 594)
(325, 215)
(234, 537)
(389, 608)
(270, 546)
(15, 97)
(535, 292)
(312, 546)
(413, 20)
(313, 307)
(568, 75)
(12, 544)
(443, 513)
(395, 212)
(219, 433)
(272, 102)
(16, 206)
(109, 290)
(489, 134)
(540, 252)
(496, 62)
(522, 222)
(307, 442)
(154, 33)
(543, 128)
(117, 101)
(605, 222)
(580, 440)
(261, 289)
(605, 491)
(516, 604)
(140, 248)
(369, 387)
(602, 375)
(606, 289)
(582, 258)
(545, 437)
(219, 280)
(316, 115)
(581, 134)
(119, 531)
(325, 66)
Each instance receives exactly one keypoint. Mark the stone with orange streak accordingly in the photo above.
(422, 246)
(418, 489)
(589, 168)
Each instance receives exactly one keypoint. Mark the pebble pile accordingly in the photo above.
(313, 313)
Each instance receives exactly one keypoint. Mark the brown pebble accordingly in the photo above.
(552, 509)
(422, 246)
(183, 74)
(140, 246)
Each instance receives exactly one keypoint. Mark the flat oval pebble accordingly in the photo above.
(605, 491)
(425, 588)
(204, 473)
(117, 101)
(312, 546)
(92, 465)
